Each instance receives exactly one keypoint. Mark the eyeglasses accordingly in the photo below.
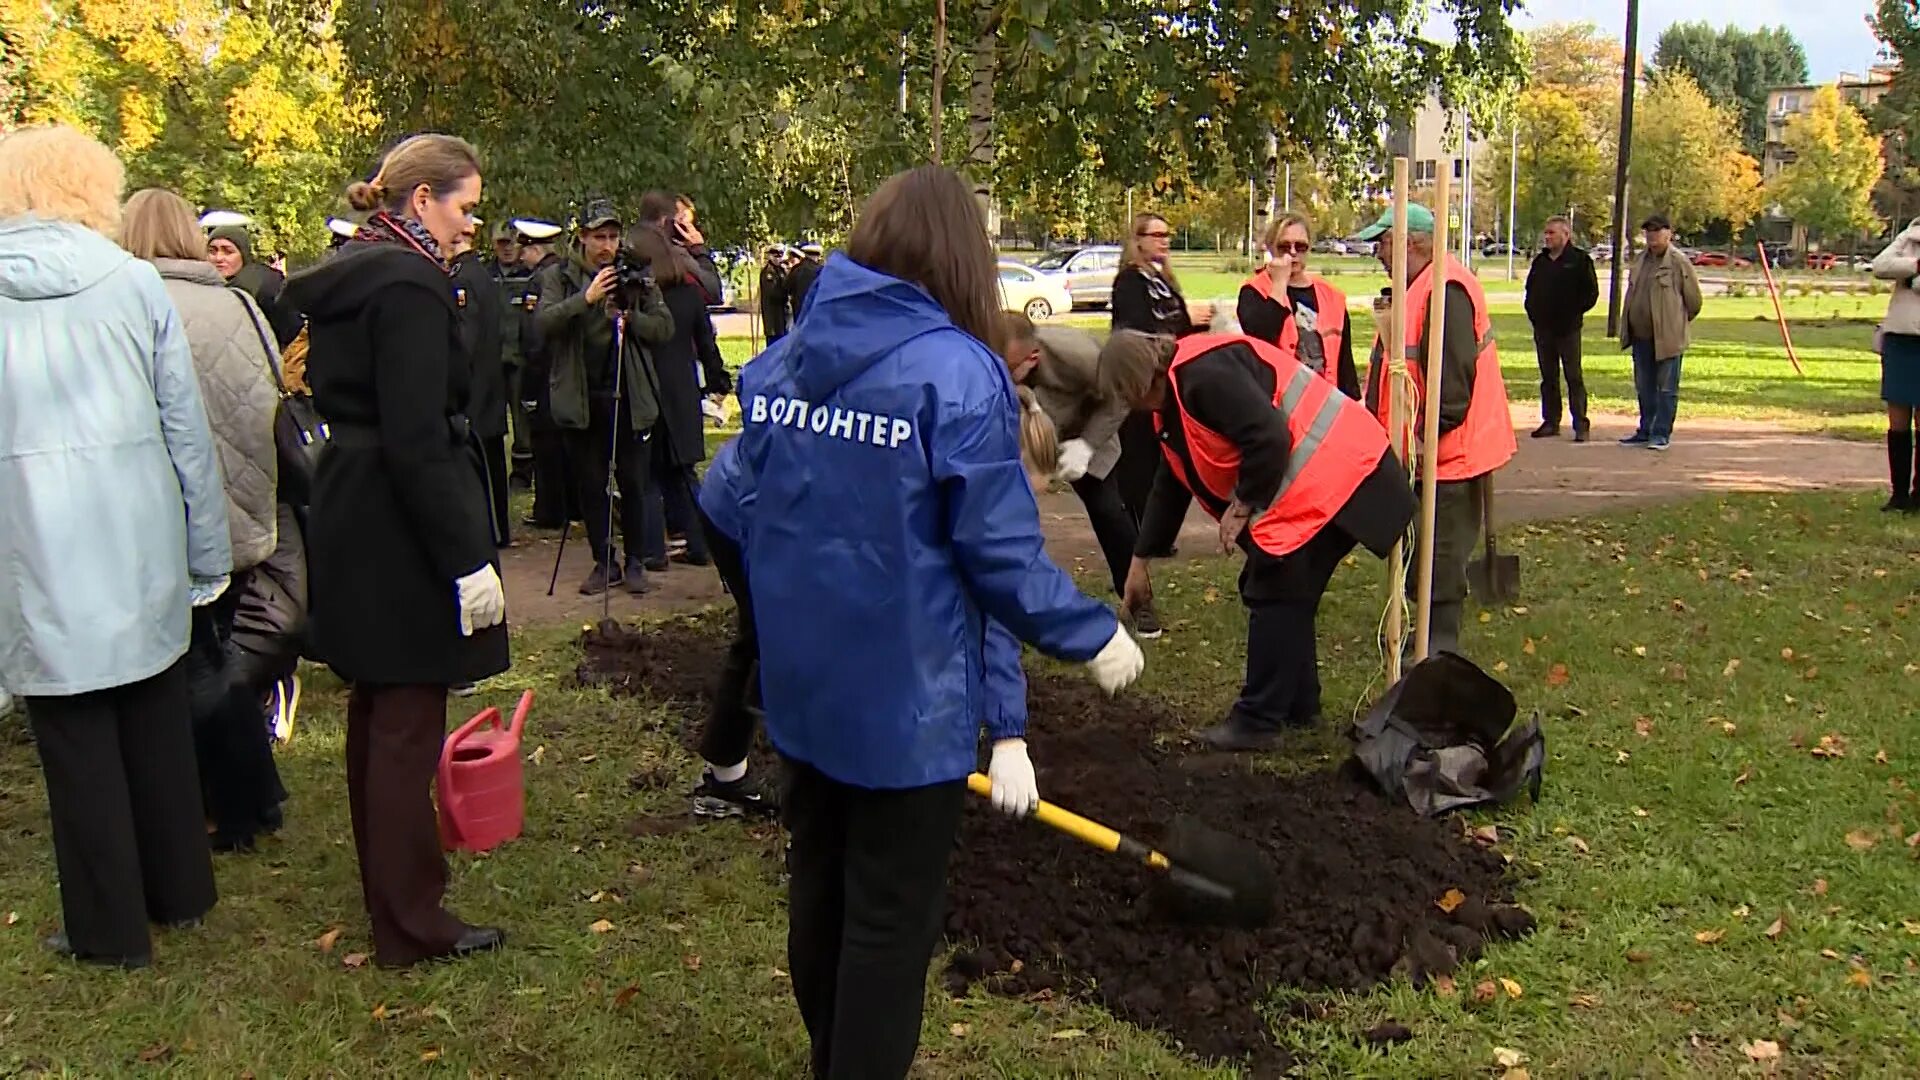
(1153, 235)
(1291, 247)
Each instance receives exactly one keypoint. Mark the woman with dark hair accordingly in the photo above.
(880, 495)
(230, 250)
(406, 587)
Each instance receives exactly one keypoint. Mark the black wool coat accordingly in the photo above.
(399, 507)
(480, 302)
(693, 345)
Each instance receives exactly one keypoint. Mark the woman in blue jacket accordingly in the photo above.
(890, 519)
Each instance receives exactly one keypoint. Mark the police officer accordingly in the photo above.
(554, 500)
(800, 278)
(773, 293)
(511, 276)
(482, 319)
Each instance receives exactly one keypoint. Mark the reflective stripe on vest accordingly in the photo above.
(1335, 445)
(1484, 440)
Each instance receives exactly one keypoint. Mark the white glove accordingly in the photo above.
(202, 591)
(1118, 664)
(483, 602)
(1075, 456)
(1014, 789)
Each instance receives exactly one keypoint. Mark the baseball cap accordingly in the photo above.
(599, 212)
(1656, 221)
(1419, 219)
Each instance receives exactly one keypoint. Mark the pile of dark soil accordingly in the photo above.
(675, 661)
(1034, 912)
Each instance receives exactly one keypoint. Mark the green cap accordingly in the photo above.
(1419, 219)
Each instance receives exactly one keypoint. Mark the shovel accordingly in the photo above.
(1495, 579)
(1212, 877)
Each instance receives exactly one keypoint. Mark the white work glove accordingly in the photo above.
(202, 591)
(483, 602)
(1075, 456)
(1014, 789)
(1118, 664)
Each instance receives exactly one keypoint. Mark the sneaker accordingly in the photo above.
(1146, 623)
(286, 708)
(637, 583)
(1657, 444)
(605, 576)
(1546, 431)
(1638, 438)
(676, 545)
(720, 799)
(465, 689)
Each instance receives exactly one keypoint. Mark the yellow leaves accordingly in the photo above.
(1732, 667)
(1639, 650)
(1584, 1001)
(1787, 654)
(1507, 1058)
(1223, 87)
(1761, 1050)
(1068, 1033)
(1863, 839)
(328, 940)
(1643, 727)
(1452, 899)
(429, 1056)
(1557, 675)
(1778, 927)
(1830, 746)
(1819, 886)
(1710, 937)
(1444, 986)
(379, 1012)
(1512, 988)
(691, 962)
(1485, 992)
(354, 960)
(601, 926)
(1528, 647)
(960, 1031)
(1860, 978)
(1578, 844)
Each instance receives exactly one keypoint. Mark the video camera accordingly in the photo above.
(632, 277)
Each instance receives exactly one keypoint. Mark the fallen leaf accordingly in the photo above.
(1778, 927)
(1485, 992)
(1639, 650)
(1860, 977)
(1742, 911)
(960, 1031)
(1910, 926)
(1746, 774)
(1862, 839)
(1643, 727)
(589, 759)
(1211, 596)
(1584, 1001)
(1486, 616)
(1830, 954)
(1620, 757)
(1512, 988)
(1487, 834)
(601, 926)
(354, 960)
(429, 1055)
(1819, 886)
(1519, 610)
(1557, 675)
(380, 1012)
(1528, 647)
(1761, 1050)
(1638, 956)
(1732, 666)
(1017, 966)
(1068, 1033)
(1500, 665)
(778, 975)
(1451, 899)
(1680, 605)
(1880, 757)
(1786, 654)
(1444, 986)
(596, 897)
(1709, 937)
(1728, 727)
(691, 961)
(1578, 844)
(539, 755)
(1508, 1058)
(1831, 746)
(1516, 1074)
(1914, 840)
(328, 940)
(626, 995)
(1637, 812)
(156, 1053)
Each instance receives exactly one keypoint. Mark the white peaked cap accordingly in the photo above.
(535, 230)
(220, 219)
(341, 227)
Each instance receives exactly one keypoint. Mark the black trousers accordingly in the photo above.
(522, 456)
(1559, 353)
(394, 735)
(1139, 461)
(671, 505)
(1282, 596)
(556, 498)
(588, 455)
(238, 776)
(1114, 525)
(731, 721)
(494, 452)
(1456, 533)
(867, 890)
(124, 795)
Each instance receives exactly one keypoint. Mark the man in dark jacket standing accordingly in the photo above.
(477, 292)
(510, 279)
(605, 404)
(773, 293)
(800, 278)
(1561, 289)
(555, 501)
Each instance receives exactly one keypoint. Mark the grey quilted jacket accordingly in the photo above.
(224, 330)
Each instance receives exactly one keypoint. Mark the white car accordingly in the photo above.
(1040, 296)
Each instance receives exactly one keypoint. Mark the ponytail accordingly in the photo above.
(1039, 440)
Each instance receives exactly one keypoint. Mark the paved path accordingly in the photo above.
(1549, 479)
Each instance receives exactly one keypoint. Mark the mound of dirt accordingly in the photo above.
(1366, 884)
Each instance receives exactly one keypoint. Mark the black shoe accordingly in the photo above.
(1899, 504)
(536, 523)
(232, 841)
(477, 939)
(1580, 434)
(1234, 738)
(1546, 431)
(637, 583)
(1638, 438)
(60, 944)
(605, 576)
(721, 799)
(657, 566)
(690, 560)
(1146, 623)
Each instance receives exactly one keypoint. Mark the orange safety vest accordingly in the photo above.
(1484, 440)
(1331, 313)
(1336, 445)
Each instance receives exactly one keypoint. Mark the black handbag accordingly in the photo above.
(300, 433)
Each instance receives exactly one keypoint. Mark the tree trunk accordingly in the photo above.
(939, 75)
(982, 148)
(1266, 188)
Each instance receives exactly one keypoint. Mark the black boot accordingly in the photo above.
(1900, 467)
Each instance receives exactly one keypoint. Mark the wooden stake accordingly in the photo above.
(1430, 429)
(1393, 363)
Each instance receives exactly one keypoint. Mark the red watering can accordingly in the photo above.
(483, 795)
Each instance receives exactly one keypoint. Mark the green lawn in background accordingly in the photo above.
(1728, 688)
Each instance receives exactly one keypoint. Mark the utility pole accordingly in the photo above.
(1513, 190)
(1628, 69)
(1466, 188)
(939, 70)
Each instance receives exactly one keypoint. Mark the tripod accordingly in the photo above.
(613, 465)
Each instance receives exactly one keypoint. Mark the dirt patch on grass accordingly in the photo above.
(1368, 888)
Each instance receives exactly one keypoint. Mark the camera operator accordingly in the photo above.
(606, 406)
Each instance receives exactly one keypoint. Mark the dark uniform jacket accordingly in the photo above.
(773, 301)
(477, 294)
(399, 507)
(800, 284)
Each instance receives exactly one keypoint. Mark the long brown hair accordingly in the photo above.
(157, 224)
(1130, 254)
(1039, 439)
(1131, 362)
(923, 226)
(439, 161)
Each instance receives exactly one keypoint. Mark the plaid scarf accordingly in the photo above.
(384, 228)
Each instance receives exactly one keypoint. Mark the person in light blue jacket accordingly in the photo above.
(891, 520)
(114, 526)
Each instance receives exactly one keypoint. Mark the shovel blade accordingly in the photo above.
(1227, 864)
(1495, 582)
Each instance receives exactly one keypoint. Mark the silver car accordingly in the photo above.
(1087, 272)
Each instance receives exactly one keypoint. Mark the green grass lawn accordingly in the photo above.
(1689, 661)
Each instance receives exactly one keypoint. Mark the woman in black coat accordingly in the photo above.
(680, 364)
(406, 595)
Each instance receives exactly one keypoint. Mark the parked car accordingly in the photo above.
(1360, 247)
(1719, 258)
(1040, 295)
(1822, 260)
(1330, 246)
(1500, 247)
(1086, 272)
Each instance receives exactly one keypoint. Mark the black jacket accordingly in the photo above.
(773, 301)
(399, 507)
(800, 283)
(266, 285)
(1151, 304)
(683, 440)
(477, 293)
(536, 394)
(1263, 318)
(1560, 291)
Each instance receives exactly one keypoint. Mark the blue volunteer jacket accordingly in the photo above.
(889, 520)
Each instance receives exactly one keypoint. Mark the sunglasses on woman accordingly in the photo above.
(1162, 235)
(1290, 247)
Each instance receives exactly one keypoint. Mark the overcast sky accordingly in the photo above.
(1834, 32)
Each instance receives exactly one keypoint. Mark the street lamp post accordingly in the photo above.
(1627, 70)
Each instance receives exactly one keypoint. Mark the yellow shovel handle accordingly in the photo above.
(1081, 829)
